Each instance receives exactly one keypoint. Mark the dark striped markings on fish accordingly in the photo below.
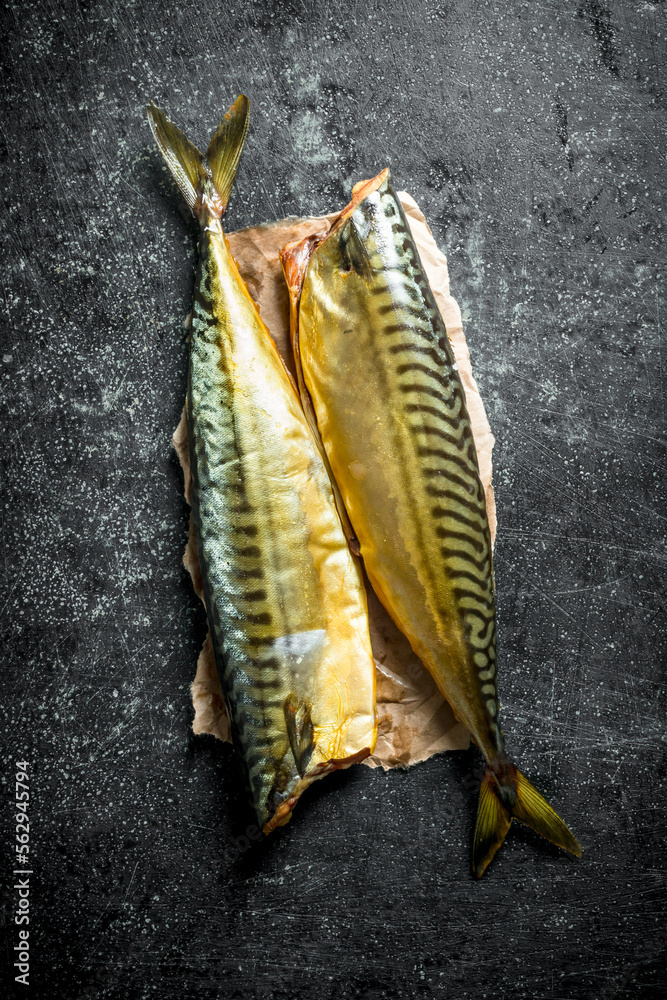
(284, 597)
(377, 370)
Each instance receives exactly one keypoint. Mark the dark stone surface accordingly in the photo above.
(532, 136)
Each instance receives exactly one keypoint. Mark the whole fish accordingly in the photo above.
(284, 597)
(376, 367)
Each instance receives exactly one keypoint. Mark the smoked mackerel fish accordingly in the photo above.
(378, 377)
(284, 596)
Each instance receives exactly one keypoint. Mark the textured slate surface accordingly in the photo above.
(533, 138)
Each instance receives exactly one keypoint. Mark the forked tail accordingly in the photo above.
(205, 181)
(506, 795)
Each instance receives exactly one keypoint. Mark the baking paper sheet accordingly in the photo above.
(414, 720)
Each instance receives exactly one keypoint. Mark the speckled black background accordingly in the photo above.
(533, 137)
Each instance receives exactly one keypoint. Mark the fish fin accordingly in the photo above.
(354, 251)
(300, 732)
(534, 811)
(493, 822)
(193, 172)
(182, 157)
(224, 150)
(505, 795)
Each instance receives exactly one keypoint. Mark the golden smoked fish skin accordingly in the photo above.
(376, 367)
(284, 597)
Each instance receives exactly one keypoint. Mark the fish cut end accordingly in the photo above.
(360, 191)
(283, 813)
(505, 794)
(363, 188)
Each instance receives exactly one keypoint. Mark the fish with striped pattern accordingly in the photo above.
(284, 597)
(379, 379)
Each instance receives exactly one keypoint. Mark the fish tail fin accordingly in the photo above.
(224, 150)
(505, 795)
(203, 180)
(182, 157)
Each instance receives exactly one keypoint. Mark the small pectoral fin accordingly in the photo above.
(299, 731)
(354, 251)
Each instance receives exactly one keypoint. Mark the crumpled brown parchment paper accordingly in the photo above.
(414, 720)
